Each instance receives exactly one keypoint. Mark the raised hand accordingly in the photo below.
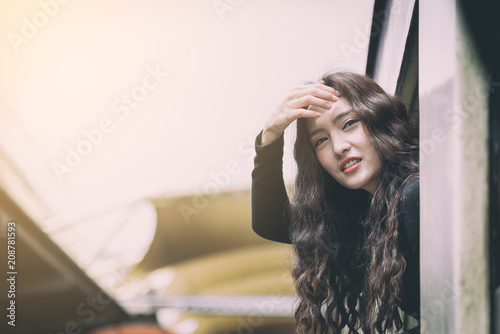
(298, 104)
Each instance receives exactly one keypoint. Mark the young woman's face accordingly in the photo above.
(343, 147)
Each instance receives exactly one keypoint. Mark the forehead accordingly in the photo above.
(339, 107)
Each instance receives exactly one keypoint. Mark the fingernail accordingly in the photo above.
(328, 105)
(317, 113)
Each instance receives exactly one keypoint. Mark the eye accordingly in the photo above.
(319, 141)
(349, 123)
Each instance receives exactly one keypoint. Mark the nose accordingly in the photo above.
(340, 146)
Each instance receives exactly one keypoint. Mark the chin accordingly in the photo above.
(351, 186)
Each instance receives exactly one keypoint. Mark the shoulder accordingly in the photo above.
(410, 198)
(409, 215)
(411, 187)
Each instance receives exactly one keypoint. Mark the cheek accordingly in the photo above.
(327, 161)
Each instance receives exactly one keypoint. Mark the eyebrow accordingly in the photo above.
(335, 120)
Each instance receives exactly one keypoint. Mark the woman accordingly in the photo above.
(354, 219)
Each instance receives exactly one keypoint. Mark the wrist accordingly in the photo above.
(268, 136)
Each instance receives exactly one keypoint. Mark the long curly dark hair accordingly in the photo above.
(348, 266)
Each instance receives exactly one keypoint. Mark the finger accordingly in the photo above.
(329, 89)
(320, 91)
(317, 109)
(305, 113)
(309, 100)
(321, 84)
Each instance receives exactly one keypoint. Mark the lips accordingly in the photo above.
(348, 162)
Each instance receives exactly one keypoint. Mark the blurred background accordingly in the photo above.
(126, 148)
(127, 141)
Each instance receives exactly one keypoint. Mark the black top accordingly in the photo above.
(271, 220)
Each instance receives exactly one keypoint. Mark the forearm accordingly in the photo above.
(270, 204)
